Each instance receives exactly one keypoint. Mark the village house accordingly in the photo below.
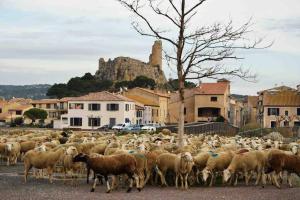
(155, 104)
(54, 108)
(279, 107)
(12, 109)
(204, 103)
(97, 109)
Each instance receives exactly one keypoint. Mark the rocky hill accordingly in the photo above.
(127, 69)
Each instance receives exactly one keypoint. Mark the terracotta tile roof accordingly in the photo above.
(211, 88)
(44, 101)
(20, 100)
(100, 96)
(285, 98)
(142, 100)
(278, 89)
(20, 107)
(155, 92)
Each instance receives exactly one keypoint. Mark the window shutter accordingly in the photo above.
(269, 111)
(277, 111)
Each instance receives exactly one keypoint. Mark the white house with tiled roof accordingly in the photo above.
(97, 109)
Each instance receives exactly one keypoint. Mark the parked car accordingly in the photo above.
(150, 127)
(120, 126)
(105, 127)
(133, 128)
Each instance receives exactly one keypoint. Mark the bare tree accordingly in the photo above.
(196, 51)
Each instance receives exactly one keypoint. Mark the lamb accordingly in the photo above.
(42, 160)
(247, 162)
(217, 162)
(110, 165)
(280, 161)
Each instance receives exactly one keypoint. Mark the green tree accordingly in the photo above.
(36, 114)
(143, 81)
(173, 84)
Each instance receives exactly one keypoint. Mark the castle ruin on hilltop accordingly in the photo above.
(127, 69)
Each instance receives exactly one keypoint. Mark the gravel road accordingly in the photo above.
(12, 187)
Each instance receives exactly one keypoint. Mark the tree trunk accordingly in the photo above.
(181, 124)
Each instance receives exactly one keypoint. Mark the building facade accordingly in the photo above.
(155, 102)
(279, 107)
(204, 103)
(97, 109)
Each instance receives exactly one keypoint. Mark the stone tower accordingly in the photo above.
(155, 58)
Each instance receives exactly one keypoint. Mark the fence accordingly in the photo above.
(286, 132)
(219, 128)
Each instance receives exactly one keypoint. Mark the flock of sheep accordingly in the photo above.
(155, 159)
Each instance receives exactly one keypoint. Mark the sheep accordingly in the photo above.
(69, 165)
(164, 162)
(247, 162)
(42, 160)
(280, 161)
(110, 165)
(217, 162)
(12, 151)
(200, 161)
(180, 164)
(26, 146)
(183, 167)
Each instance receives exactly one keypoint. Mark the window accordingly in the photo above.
(112, 107)
(214, 99)
(298, 111)
(286, 113)
(273, 124)
(76, 121)
(48, 105)
(18, 112)
(139, 113)
(184, 111)
(127, 120)
(34, 105)
(94, 106)
(94, 122)
(76, 106)
(0, 110)
(273, 111)
(127, 107)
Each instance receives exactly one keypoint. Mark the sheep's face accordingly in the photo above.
(72, 151)
(9, 147)
(206, 173)
(226, 175)
(187, 157)
(295, 149)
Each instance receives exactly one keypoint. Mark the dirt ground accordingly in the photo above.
(12, 187)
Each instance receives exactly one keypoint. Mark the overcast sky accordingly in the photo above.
(50, 41)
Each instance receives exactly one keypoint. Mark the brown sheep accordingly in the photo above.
(279, 162)
(110, 165)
